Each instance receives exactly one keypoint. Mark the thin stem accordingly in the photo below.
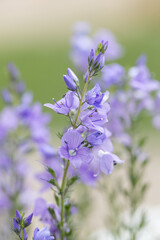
(62, 199)
(80, 104)
(22, 234)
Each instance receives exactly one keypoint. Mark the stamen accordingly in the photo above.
(56, 103)
(100, 119)
(72, 152)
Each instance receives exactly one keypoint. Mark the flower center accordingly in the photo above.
(72, 152)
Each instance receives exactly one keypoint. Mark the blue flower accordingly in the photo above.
(69, 102)
(72, 148)
(71, 80)
(43, 234)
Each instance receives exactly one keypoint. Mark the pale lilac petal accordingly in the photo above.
(72, 138)
(63, 153)
(106, 164)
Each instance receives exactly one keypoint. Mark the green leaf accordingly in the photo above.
(53, 182)
(142, 141)
(59, 135)
(71, 181)
(52, 212)
(51, 171)
(56, 199)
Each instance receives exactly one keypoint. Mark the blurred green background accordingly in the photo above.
(35, 36)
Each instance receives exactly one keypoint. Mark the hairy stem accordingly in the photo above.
(80, 104)
(22, 234)
(62, 199)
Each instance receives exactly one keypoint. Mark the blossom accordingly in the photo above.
(28, 220)
(43, 234)
(20, 223)
(72, 149)
(155, 111)
(114, 50)
(41, 209)
(95, 137)
(94, 119)
(16, 226)
(95, 96)
(96, 61)
(7, 96)
(113, 74)
(68, 103)
(141, 80)
(104, 162)
(71, 80)
(82, 42)
(13, 70)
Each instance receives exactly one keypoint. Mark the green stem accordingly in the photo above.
(62, 199)
(22, 234)
(80, 104)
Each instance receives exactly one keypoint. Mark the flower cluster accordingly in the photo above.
(81, 43)
(86, 149)
(128, 105)
(87, 141)
(133, 94)
(20, 223)
(23, 128)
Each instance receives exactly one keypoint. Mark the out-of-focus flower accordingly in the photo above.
(82, 42)
(113, 74)
(43, 234)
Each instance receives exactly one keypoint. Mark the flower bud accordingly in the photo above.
(28, 220)
(18, 216)
(13, 71)
(16, 227)
(70, 82)
(7, 96)
(72, 75)
(91, 57)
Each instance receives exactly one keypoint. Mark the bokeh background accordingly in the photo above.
(34, 34)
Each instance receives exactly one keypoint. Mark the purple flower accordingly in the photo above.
(9, 119)
(72, 75)
(18, 216)
(95, 96)
(156, 121)
(41, 209)
(81, 28)
(94, 119)
(68, 103)
(24, 234)
(119, 117)
(82, 43)
(95, 138)
(7, 96)
(104, 162)
(70, 82)
(13, 71)
(114, 50)
(96, 62)
(16, 226)
(72, 149)
(113, 74)
(20, 223)
(141, 80)
(43, 234)
(28, 220)
(156, 111)
(47, 150)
